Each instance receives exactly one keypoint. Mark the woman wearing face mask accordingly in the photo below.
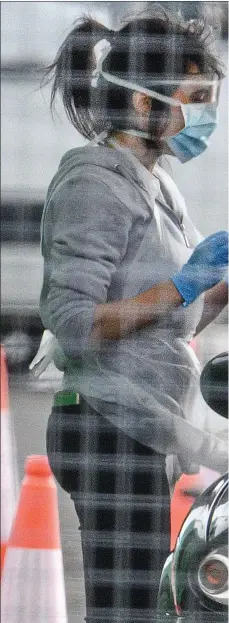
(127, 284)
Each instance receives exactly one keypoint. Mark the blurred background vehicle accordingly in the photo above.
(21, 275)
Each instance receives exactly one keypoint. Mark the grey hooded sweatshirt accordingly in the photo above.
(111, 230)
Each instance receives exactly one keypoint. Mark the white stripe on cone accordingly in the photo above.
(32, 588)
(9, 480)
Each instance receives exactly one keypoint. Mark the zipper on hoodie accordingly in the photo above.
(178, 220)
(184, 233)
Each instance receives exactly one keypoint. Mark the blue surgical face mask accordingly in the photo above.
(200, 122)
(200, 119)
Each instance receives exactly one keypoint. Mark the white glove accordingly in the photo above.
(44, 354)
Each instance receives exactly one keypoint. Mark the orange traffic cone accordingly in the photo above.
(187, 488)
(9, 480)
(33, 579)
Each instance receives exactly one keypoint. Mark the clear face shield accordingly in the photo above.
(200, 117)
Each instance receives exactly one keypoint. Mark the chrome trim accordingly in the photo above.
(213, 506)
(220, 597)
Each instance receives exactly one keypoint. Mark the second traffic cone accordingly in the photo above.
(33, 578)
(187, 488)
(9, 479)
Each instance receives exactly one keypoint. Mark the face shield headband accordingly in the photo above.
(101, 51)
(200, 118)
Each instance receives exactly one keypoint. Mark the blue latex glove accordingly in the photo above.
(204, 269)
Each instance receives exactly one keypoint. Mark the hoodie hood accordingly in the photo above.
(100, 156)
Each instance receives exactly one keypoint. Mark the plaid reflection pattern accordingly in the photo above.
(121, 496)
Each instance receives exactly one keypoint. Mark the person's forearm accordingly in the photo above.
(119, 318)
(214, 302)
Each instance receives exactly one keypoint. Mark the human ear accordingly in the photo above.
(141, 103)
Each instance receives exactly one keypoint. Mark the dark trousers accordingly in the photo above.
(121, 495)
